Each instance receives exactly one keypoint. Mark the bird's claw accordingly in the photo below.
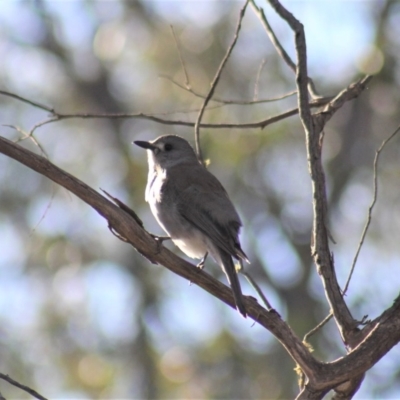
(160, 240)
(200, 265)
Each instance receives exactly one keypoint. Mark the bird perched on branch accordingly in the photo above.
(192, 206)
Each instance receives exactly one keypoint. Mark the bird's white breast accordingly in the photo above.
(185, 236)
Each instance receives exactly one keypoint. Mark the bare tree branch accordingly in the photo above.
(351, 92)
(257, 82)
(257, 288)
(317, 328)
(127, 227)
(279, 48)
(153, 117)
(309, 393)
(227, 101)
(25, 100)
(29, 136)
(371, 207)
(22, 387)
(381, 335)
(365, 347)
(183, 65)
(313, 126)
(215, 82)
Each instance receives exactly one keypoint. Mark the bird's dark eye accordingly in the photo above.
(168, 147)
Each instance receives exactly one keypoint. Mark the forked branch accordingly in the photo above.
(313, 125)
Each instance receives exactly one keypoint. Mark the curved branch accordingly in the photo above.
(214, 83)
(227, 102)
(25, 388)
(380, 335)
(371, 207)
(129, 228)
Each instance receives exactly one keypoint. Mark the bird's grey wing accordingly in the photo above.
(208, 207)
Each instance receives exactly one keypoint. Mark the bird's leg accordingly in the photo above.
(202, 261)
(200, 265)
(159, 240)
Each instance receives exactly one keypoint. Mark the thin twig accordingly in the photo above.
(152, 117)
(279, 48)
(257, 124)
(22, 387)
(178, 48)
(349, 93)
(230, 102)
(57, 117)
(31, 102)
(271, 34)
(225, 125)
(318, 327)
(256, 84)
(29, 136)
(215, 82)
(49, 204)
(187, 110)
(371, 207)
(256, 288)
(301, 69)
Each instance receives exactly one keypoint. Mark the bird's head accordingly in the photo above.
(168, 151)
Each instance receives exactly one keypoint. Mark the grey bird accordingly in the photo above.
(193, 208)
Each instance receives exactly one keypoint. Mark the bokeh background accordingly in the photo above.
(82, 315)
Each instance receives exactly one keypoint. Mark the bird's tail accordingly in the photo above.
(229, 268)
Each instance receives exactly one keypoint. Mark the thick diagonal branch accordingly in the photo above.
(384, 332)
(128, 227)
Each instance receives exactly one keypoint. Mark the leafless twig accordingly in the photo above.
(29, 136)
(187, 81)
(227, 101)
(371, 207)
(22, 387)
(49, 204)
(260, 68)
(152, 117)
(256, 288)
(279, 48)
(317, 328)
(349, 93)
(25, 100)
(215, 82)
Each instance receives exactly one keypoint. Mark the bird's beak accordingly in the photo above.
(145, 145)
